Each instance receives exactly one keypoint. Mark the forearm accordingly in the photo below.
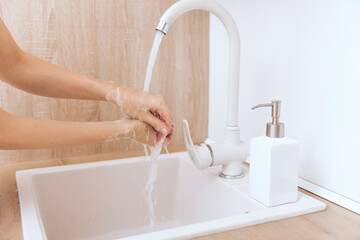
(39, 77)
(31, 133)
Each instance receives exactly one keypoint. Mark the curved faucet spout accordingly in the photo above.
(183, 6)
(233, 152)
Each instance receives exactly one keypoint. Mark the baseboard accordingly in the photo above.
(329, 195)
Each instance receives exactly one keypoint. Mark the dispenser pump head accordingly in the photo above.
(274, 129)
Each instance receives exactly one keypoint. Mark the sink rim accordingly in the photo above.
(33, 227)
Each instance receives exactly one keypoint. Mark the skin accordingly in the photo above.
(149, 118)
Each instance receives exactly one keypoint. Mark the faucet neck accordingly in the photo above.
(213, 7)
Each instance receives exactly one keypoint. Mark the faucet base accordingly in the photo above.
(232, 170)
(241, 175)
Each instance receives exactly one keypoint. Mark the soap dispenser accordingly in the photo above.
(273, 175)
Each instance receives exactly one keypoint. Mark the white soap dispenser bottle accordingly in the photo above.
(273, 176)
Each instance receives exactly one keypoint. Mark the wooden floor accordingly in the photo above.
(333, 223)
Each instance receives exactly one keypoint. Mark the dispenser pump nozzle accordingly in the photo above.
(274, 129)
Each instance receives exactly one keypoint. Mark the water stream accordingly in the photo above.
(154, 156)
(155, 151)
(157, 40)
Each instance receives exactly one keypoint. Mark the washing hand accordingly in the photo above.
(36, 76)
(140, 132)
(146, 107)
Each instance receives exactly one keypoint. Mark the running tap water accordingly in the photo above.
(155, 151)
(157, 40)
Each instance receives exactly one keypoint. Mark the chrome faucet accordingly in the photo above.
(232, 152)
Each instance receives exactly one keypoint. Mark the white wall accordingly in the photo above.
(306, 53)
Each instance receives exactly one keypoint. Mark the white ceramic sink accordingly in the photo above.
(107, 200)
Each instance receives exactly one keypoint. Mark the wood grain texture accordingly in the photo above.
(334, 223)
(110, 40)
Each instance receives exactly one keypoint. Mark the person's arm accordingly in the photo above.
(39, 77)
(32, 133)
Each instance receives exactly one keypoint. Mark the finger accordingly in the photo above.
(169, 137)
(171, 133)
(159, 137)
(156, 123)
(165, 114)
(152, 137)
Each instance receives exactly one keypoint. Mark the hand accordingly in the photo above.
(146, 107)
(140, 132)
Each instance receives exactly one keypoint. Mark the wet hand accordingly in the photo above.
(146, 107)
(140, 132)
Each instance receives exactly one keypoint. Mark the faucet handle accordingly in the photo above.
(216, 153)
(201, 155)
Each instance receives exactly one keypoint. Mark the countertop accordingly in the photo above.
(333, 223)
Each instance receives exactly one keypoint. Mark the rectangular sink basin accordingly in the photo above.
(108, 200)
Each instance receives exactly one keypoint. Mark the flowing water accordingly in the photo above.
(155, 151)
(157, 40)
(154, 155)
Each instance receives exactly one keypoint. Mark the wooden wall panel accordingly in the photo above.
(110, 40)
